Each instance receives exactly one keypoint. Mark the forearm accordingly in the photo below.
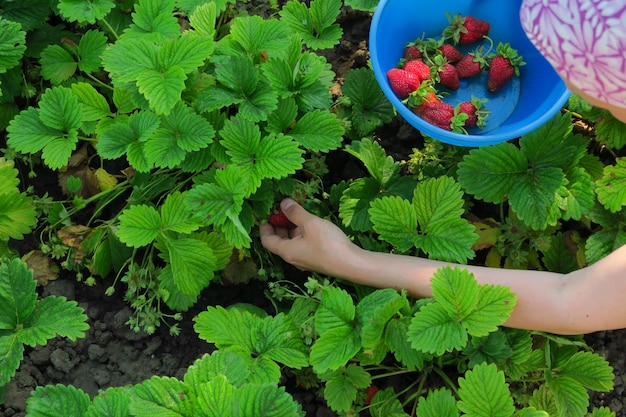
(539, 306)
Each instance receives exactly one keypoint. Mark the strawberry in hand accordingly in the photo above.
(504, 65)
(279, 219)
(466, 29)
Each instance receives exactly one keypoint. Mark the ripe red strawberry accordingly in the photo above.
(468, 108)
(279, 219)
(419, 67)
(466, 29)
(476, 114)
(439, 114)
(450, 53)
(412, 52)
(369, 394)
(504, 65)
(472, 63)
(448, 77)
(403, 82)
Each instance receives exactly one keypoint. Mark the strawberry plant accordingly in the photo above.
(174, 127)
(215, 385)
(28, 321)
(351, 337)
(19, 214)
(206, 120)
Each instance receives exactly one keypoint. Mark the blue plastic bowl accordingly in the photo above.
(519, 108)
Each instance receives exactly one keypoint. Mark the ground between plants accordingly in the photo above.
(111, 354)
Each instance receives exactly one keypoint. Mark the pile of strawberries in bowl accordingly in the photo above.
(433, 68)
(525, 102)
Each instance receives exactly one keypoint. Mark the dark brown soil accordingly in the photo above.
(113, 355)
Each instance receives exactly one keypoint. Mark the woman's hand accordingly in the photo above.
(314, 245)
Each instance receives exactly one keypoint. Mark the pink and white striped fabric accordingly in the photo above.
(585, 41)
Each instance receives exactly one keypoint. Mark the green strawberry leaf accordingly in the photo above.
(139, 225)
(438, 403)
(162, 89)
(371, 107)
(255, 35)
(495, 304)
(610, 131)
(343, 385)
(11, 355)
(94, 105)
(570, 396)
(334, 320)
(611, 188)
(28, 134)
(115, 138)
(154, 20)
(159, 396)
(57, 400)
(180, 132)
(355, 203)
(19, 215)
(491, 172)
(438, 204)
(192, 263)
(17, 294)
(379, 165)
(272, 156)
(456, 290)
(589, 369)
(318, 131)
(85, 10)
(434, 330)
(57, 65)
(60, 109)
(31, 14)
(110, 402)
(220, 363)
(395, 220)
(90, 48)
(127, 59)
(400, 346)
(12, 44)
(316, 25)
(484, 392)
(53, 316)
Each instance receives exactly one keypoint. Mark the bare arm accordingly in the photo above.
(584, 301)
